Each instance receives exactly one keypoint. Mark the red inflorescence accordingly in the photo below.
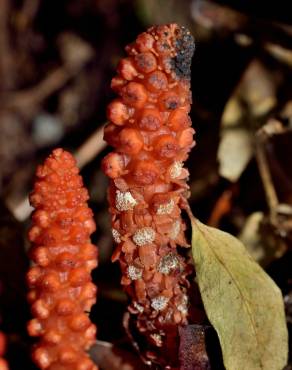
(151, 132)
(3, 363)
(61, 291)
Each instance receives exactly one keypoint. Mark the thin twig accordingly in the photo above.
(6, 59)
(28, 11)
(27, 99)
(271, 128)
(213, 16)
(266, 177)
(90, 148)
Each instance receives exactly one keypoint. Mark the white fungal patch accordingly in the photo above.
(166, 208)
(175, 169)
(116, 235)
(175, 230)
(143, 236)
(157, 339)
(167, 263)
(159, 303)
(138, 307)
(183, 306)
(134, 272)
(125, 201)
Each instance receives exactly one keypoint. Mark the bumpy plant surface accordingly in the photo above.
(61, 292)
(151, 133)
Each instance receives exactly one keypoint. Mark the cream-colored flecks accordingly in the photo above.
(134, 272)
(175, 170)
(125, 201)
(144, 236)
(116, 236)
(166, 208)
(159, 303)
(168, 263)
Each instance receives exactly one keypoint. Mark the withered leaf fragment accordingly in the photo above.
(241, 301)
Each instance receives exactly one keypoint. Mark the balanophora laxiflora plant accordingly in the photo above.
(151, 133)
(3, 362)
(61, 292)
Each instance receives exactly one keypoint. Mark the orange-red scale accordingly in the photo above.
(151, 133)
(61, 292)
(3, 362)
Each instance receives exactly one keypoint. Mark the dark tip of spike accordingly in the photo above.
(185, 47)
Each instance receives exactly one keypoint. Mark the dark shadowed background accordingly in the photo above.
(56, 62)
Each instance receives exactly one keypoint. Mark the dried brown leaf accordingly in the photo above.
(241, 301)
